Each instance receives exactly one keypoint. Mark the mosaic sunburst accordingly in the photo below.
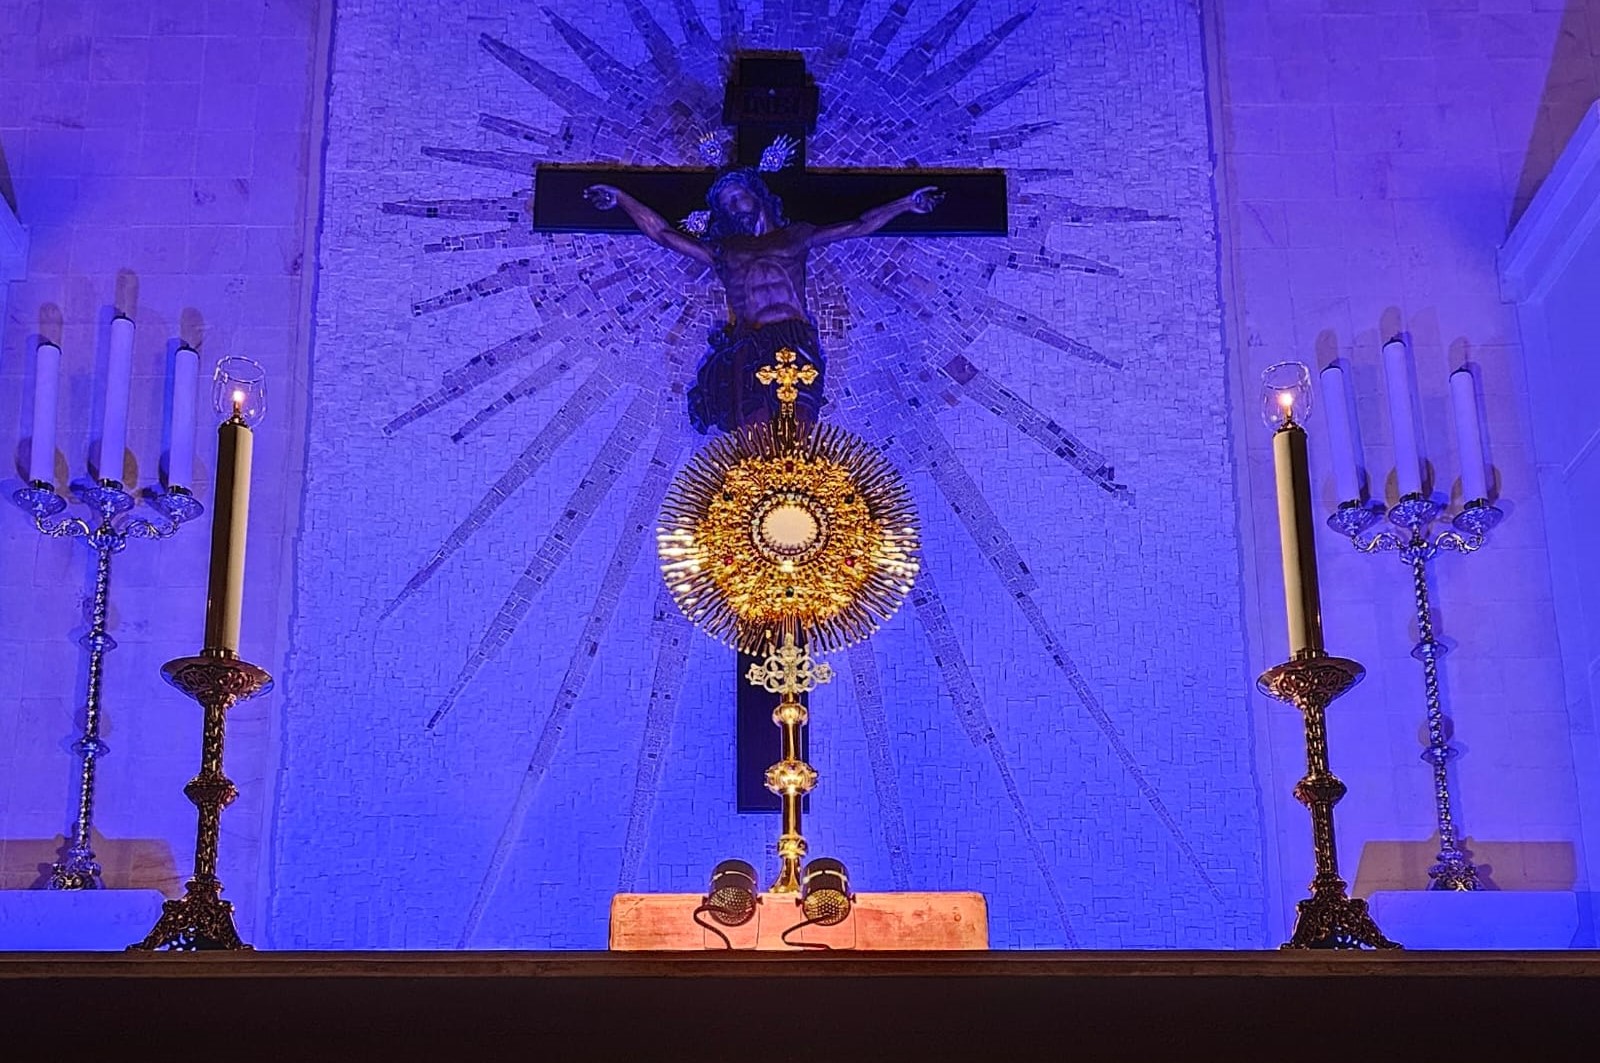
(597, 300)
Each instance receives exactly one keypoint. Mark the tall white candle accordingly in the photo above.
(1469, 435)
(180, 457)
(1341, 440)
(46, 388)
(1407, 456)
(230, 517)
(1302, 599)
(119, 377)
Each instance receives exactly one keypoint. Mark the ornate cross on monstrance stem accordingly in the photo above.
(771, 95)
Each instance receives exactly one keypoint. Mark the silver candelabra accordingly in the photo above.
(106, 531)
(1414, 539)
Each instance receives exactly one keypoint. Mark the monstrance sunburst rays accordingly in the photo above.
(760, 540)
(601, 299)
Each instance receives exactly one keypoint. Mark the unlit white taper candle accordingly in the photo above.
(119, 378)
(46, 388)
(1407, 456)
(1469, 435)
(1341, 439)
(180, 458)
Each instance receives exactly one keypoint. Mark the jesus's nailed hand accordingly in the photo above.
(923, 200)
(601, 197)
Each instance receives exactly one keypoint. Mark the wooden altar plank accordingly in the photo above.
(703, 1006)
(878, 922)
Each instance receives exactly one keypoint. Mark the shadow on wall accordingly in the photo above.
(8, 192)
(1398, 865)
(126, 863)
(49, 331)
(1420, 332)
(1572, 84)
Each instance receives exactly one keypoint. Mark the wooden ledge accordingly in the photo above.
(845, 1005)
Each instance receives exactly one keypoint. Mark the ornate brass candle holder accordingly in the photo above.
(217, 678)
(1414, 540)
(1310, 679)
(1329, 919)
(201, 920)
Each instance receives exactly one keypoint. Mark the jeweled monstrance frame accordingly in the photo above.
(780, 540)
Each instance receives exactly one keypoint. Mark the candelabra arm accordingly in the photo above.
(1383, 542)
(63, 527)
(146, 529)
(1457, 542)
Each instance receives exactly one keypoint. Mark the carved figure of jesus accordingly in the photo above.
(760, 258)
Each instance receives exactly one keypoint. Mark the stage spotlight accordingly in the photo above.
(732, 898)
(825, 892)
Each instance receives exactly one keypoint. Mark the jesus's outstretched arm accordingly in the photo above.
(921, 201)
(653, 225)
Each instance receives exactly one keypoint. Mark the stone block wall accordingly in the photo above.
(1374, 159)
(161, 151)
(494, 721)
(1061, 717)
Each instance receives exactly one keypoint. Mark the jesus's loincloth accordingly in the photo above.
(726, 393)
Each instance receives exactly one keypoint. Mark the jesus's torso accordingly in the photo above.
(765, 275)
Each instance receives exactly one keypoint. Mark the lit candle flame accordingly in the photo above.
(1286, 404)
(238, 403)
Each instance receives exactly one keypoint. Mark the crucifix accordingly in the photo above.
(760, 256)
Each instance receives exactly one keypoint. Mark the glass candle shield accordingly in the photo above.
(239, 389)
(1285, 394)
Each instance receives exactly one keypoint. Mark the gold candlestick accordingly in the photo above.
(1329, 919)
(1310, 679)
(217, 678)
(201, 920)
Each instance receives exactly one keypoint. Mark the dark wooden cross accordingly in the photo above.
(771, 95)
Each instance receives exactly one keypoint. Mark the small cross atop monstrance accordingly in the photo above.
(783, 539)
(787, 375)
